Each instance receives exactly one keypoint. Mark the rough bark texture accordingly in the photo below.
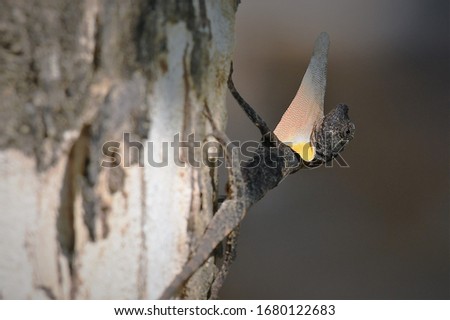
(73, 75)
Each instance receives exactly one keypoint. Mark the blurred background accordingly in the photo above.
(376, 230)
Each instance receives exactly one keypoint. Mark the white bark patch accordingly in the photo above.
(108, 268)
(45, 249)
(87, 30)
(19, 187)
(28, 236)
(166, 225)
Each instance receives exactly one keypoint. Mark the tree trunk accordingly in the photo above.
(74, 75)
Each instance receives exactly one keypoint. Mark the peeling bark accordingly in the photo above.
(74, 75)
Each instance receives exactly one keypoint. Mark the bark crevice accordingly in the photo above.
(75, 170)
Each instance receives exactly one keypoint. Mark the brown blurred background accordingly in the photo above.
(379, 229)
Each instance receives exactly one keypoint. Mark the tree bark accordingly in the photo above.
(74, 75)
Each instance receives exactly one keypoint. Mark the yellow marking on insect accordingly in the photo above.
(305, 150)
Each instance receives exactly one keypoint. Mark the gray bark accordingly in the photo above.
(73, 75)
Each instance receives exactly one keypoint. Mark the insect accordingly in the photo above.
(303, 138)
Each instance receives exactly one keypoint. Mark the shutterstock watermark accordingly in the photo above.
(191, 152)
